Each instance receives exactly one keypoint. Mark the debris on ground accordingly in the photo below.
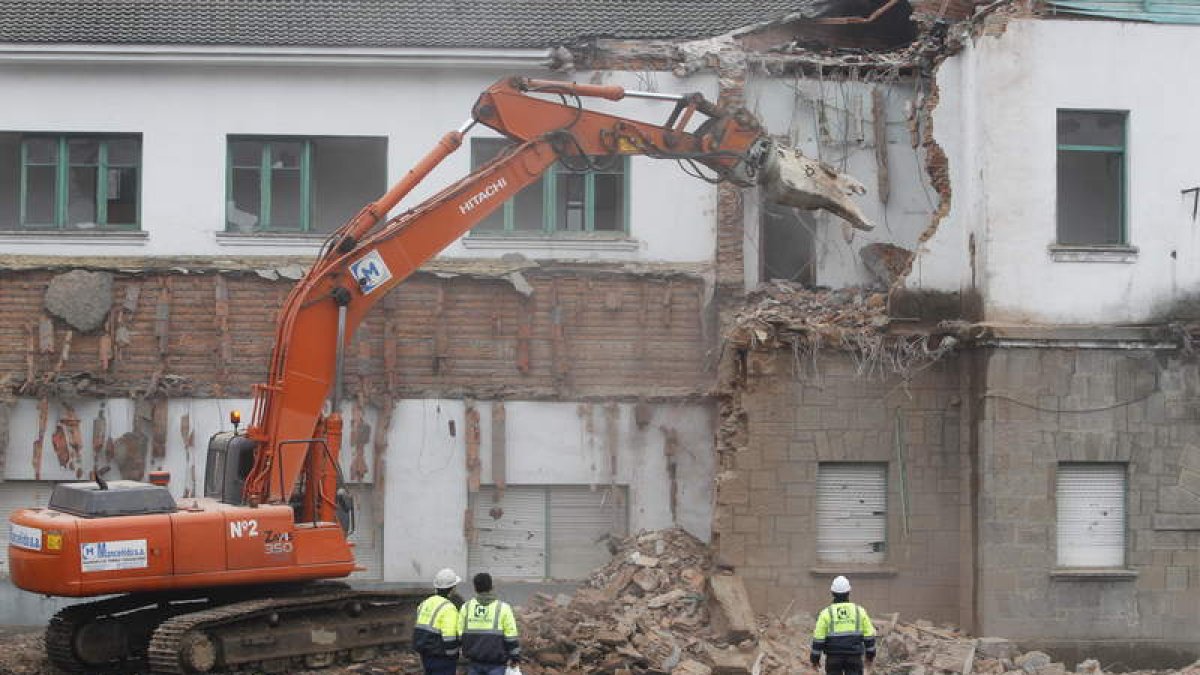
(663, 606)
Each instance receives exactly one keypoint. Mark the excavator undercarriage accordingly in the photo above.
(274, 629)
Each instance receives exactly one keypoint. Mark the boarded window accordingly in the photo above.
(1091, 178)
(563, 200)
(301, 184)
(545, 532)
(1091, 515)
(851, 512)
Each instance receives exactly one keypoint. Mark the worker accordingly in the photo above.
(844, 633)
(489, 631)
(436, 634)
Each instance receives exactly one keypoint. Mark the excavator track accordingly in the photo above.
(315, 628)
(107, 636)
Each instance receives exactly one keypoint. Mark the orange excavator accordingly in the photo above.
(238, 579)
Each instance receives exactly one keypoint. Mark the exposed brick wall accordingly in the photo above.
(589, 334)
(766, 499)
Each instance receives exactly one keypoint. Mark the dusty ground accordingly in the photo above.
(21, 653)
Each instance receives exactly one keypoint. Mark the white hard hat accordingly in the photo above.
(840, 585)
(446, 579)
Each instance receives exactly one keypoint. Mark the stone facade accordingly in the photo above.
(801, 413)
(972, 519)
(1042, 407)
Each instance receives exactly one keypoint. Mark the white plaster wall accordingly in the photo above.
(185, 112)
(1019, 81)
(833, 121)
(547, 444)
(946, 261)
(206, 417)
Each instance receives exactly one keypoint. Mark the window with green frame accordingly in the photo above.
(71, 181)
(301, 184)
(563, 201)
(1091, 178)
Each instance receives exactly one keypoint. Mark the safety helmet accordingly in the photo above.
(446, 578)
(840, 585)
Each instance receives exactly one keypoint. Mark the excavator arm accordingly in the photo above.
(368, 256)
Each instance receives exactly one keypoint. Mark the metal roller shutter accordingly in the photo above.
(851, 513)
(510, 535)
(20, 494)
(581, 518)
(367, 536)
(1091, 515)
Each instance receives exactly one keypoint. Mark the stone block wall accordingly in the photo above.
(1041, 407)
(795, 414)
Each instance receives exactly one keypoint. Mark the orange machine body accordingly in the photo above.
(203, 543)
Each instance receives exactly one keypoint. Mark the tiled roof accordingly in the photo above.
(375, 23)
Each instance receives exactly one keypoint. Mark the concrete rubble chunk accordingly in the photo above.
(729, 592)
(994, 648)
(690, 667)
(1031, 662)
(80, 298)
(887, 262)
(955, 657)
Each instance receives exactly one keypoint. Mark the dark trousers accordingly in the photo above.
(843, 664)
(485, 669)
(439, 665)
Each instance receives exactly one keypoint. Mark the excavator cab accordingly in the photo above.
(230, 458)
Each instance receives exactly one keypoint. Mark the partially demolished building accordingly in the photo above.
(984, 411)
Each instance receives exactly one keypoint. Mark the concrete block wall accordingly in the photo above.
(1045, 406)
(798, 413)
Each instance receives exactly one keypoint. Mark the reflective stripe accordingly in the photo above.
(436, 612)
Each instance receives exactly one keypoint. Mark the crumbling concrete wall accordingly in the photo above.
(1045, 406)
(786, 417)
(843, 116)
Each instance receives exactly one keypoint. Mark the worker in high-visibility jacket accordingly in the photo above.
(844, 633)
(436, 636)
(490, 640)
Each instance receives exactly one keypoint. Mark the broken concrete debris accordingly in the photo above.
(80, 298)
(662, 605)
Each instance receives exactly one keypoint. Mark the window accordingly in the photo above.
(851, 512)
(69, 181)
(1091, 178)
(563, 201)
(545, 532)
(1091, 515)
(301, 184)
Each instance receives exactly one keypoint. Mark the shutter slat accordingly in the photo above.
(1091, 515)
(851, 512)
(367, 536)
(512, 545)
(580, 518)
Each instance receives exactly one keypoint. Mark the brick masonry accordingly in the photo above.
(589, 334)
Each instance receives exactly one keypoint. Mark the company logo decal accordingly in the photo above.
(25, 537)
(490, 190)
(370, 272)
(104, 556)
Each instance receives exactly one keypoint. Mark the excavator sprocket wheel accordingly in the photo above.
(198, 653)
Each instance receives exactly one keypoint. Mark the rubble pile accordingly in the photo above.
(923, 649)
(643, 611)
(778, 311)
